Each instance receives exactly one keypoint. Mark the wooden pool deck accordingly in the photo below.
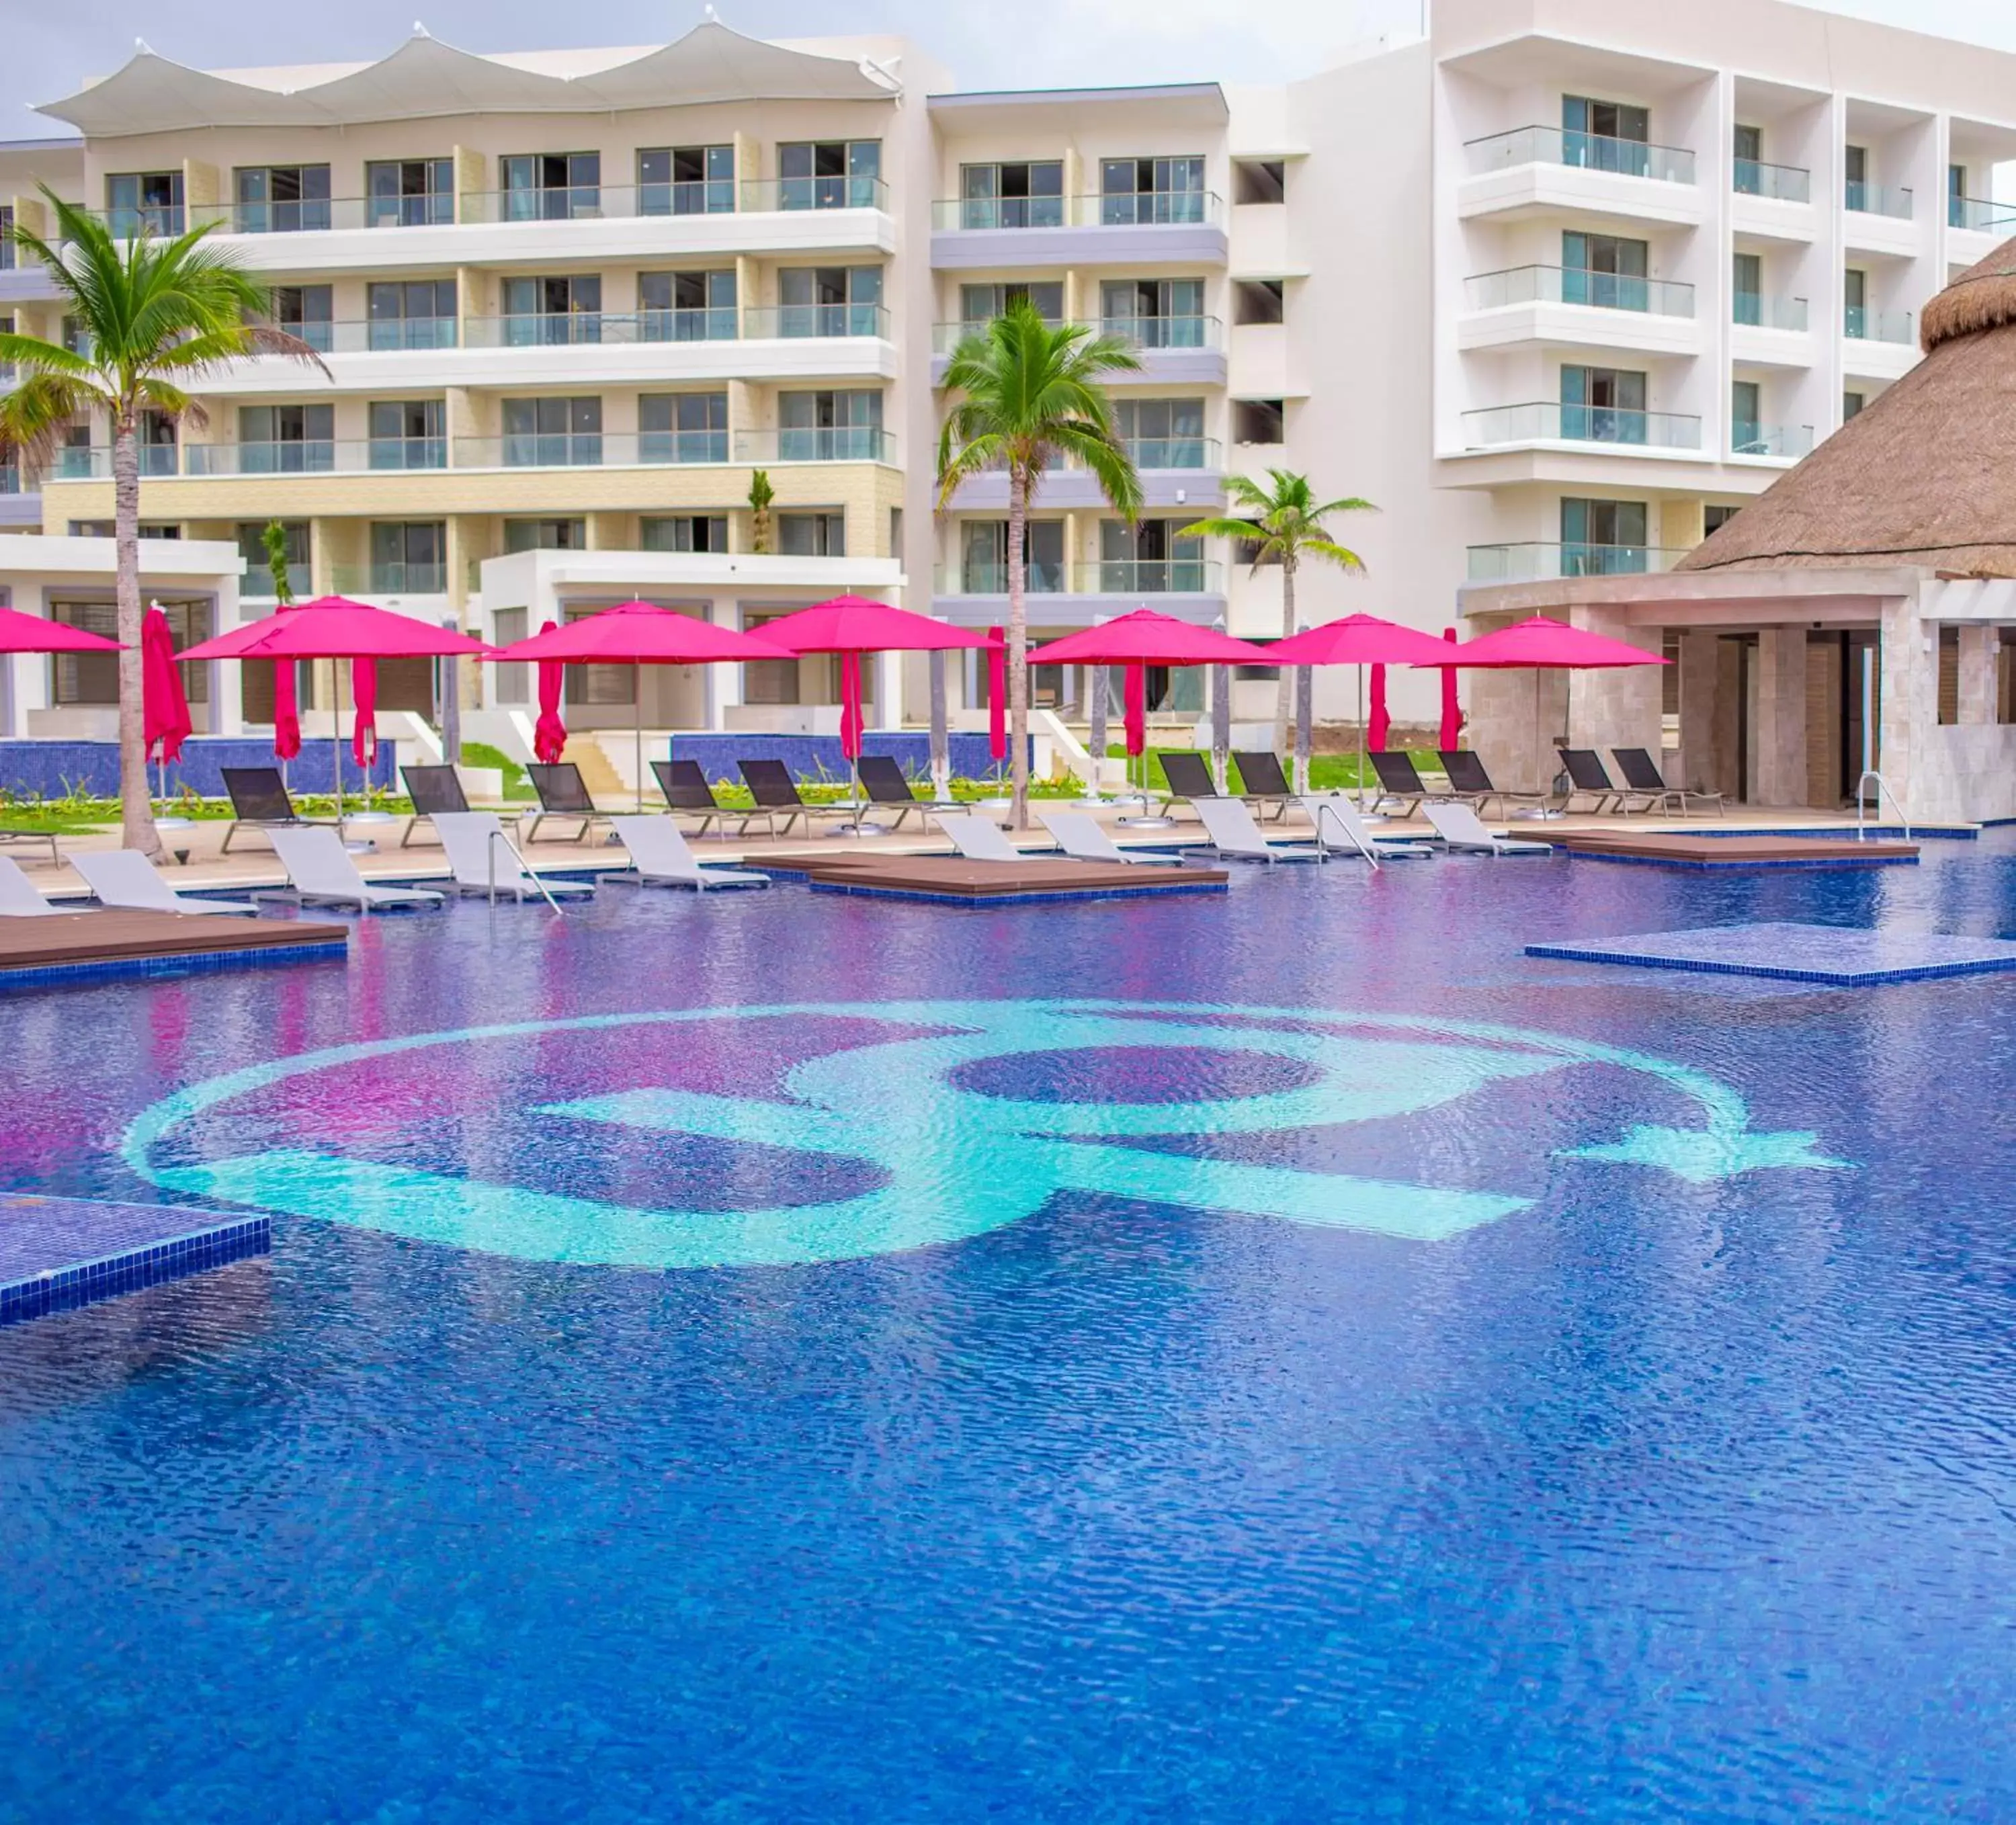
(113, 941)
(1681, 849)
(952, 880)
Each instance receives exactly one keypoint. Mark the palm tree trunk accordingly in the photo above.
(1305, 694)
(136, 814)
(1018, 646)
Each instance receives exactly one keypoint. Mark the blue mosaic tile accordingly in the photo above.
(57, 1253)
(198, 963)
(1844, 956)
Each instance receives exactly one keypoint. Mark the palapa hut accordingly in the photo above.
(1896, 538)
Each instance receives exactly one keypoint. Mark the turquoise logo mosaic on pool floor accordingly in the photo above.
(955, 1159)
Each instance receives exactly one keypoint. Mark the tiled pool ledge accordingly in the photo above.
(182, 964)
(57, 1254)
(1842, 956)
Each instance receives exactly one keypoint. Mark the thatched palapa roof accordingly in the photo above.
(1925, 475)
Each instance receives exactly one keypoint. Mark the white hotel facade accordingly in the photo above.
(1557, 287)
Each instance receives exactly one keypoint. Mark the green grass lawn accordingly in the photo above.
(1327, 772)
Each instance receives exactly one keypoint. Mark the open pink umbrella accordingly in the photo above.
(997, 696)
(30, 633)
(1452, 728)
(1362, 640)
(165, 723)
(331, 627)
(633, 633)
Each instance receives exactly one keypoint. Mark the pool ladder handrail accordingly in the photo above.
(524, 868)
(1882, 792)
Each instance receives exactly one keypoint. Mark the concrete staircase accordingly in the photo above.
(607, 759)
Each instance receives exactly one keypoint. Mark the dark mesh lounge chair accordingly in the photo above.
(562, 794)
(884, 780)
(259, 802)
(1398, 778)
(776, 795)
(1188, 775)
(684, 784)
(1265, 783)
(432, 789)
(19, 836)
(1468, 779)
(1642, 775)
(1588, 779)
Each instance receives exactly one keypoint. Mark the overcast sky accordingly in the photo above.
(51, 45)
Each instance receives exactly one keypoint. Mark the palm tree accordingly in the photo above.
(1028, 394)
(153, 315)
(1283, 524)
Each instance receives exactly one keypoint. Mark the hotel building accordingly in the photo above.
(1558, 287)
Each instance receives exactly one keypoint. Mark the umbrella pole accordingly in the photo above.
(1361, 738)
(335, 735)
(637, 704)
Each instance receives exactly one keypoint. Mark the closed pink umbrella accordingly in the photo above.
(549, 733)
(997, 696)
(851, 716)
(1380, 725)
(165, 723)
(364, 711)
(633, 633)
(287, 711)
(1134, 709)
(1452, 729)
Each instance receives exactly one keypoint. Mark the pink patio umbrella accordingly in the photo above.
(1540, 644)
(30, 633)
(364, 713)
(1380, 725)
(1141, 639)
(333, 627)
(997, 696)
(851, 625)
(549, 733)
(165, 722)
(633, 633)
(1451, 732)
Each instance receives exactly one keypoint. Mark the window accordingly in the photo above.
(1747, 435)
(1259, 301)
(303, 311)
(686, 307)
(829, 301)
(76, 457)
(1607, 271)
(1747, 288)
(683, 427)
(556, 308)
(409, 556)
(258, 570)
(92, 678)
(1716, 516)
(1747, 178)
(772, 681)
(1851, 404)
(1259, 421)
(1162, 434)
(144, 203)
(553, 434)
(811, 535)
(829, 427)
(1854, 291)
(1259, 180)
(7, 241)
(545, 535)
(981, 304)
(281, 200)
(550, 186)
(683, 532)
(685, 180)
(1148, 558)
(75, 338)
(1154, 313)
(408, 433)
(1605, 136)
(1151, 190)
(1958, 215)
(831, 173)
(1025, 194)
(1603, 538)
(983, 553)
(414, 192)
(414, 313)
(1948, 698)
(158, 444)
(285, 440)
(1603, 406)
(165, 529)
(1855, 163)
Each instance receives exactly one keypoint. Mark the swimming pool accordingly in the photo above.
(1528, 1389)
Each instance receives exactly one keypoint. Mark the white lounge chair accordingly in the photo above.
(977, 839)
(126, 878)
(19, 897)
(1461, 829)
(1340, 827)
(1232, 832)
(1082, 837)
(659, 858)
(323, 875)
(482, 859)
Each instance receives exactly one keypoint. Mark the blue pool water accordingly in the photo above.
(1284, 1357)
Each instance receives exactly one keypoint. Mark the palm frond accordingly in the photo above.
(36, 415)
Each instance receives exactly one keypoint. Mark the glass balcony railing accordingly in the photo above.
(291, 456)
(1751, 177)
(1791, 441)
(695, 196)
(590, 449)
(1539, 562)
(153, 222)
(1573, 285)
(561, 329)
(988, 577)
(1109, 209)
(10, 479)
(821, 444)
(1591, 152)
(1151, 577)
(1761, 311)
(763, 194)
(1877, 200)
(1861, 324)
(258, 582)
(1163, 331)
(93, 462)
(319, 214)
(802, 320)
(1199, 453)
(1549, 422)
(1980, 216)
(391, 577)
(408, 453)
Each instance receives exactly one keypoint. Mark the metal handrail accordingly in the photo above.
(1882, 792)
(524, 868)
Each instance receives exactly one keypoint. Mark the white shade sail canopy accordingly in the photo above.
(425, 78)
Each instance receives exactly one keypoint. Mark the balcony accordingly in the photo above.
(1572, 285)
(1187, 453)
(1117, 576)
(793, 321)
(1172, 350)
(1861, 199)
(393, 576)
(1534, 171)
(1535, 562)
(1782, 443)
(1755, 310)
(1750, 177)
(1977, 216)
(258, 583)
(1861, 324)
(1587, 151)
(316, 456)
(982, 577)
(378, 335)
(1549, 421)
(1118, 228)
(93, 463)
